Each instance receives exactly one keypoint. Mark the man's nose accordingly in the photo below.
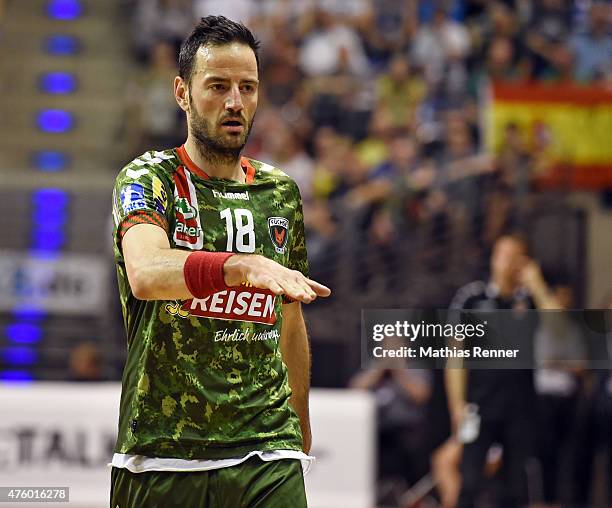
(233, 101)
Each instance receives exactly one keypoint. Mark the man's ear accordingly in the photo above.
(181, 93)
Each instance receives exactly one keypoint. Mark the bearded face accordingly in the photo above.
(222, 100)
(224, 137)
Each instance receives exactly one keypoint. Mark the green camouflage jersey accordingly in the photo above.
(204, 378)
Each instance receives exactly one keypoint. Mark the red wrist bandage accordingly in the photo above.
(203, 272)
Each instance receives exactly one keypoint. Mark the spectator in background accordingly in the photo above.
(462, 170)
(403, 152)
(367, 201)
(279, 64)
(337, 169)
(169, 20)
(593, 47)
(497, 20)
(506, 204)
(440, 49)
(153, 120)
(387, 196)
(560, 69)
(550, 26)
(499, 66)
(329, 149)
(387, 29)
(335, 67)
(330, 46)
(86, 363)
(500, 60)
(400, 91)
(374, 148)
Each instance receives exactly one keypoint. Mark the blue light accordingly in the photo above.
(50, 213)
(49, 219)
(47, 240)
(28, 312)
(50, 199)
(21, 376)
(49, 227)
(23, 333)
(55, 121)
(62, 45)
(50, 160)
(20, 355)
(57, 83)
(64, 10)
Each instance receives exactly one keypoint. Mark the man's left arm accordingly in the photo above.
(295, 351)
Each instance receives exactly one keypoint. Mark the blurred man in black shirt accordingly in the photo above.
(497, 406)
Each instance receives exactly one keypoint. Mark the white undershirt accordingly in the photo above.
(140, 463)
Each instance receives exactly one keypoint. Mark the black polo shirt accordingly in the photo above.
(500, 392)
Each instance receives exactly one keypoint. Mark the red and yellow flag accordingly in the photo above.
(568, 126)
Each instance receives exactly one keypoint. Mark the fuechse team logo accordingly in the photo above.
(278, 227)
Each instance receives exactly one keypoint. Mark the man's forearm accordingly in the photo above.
(159, 275)
(544, 298)
(156, 271)
(455, 381)
(295, 351)
(298, 365)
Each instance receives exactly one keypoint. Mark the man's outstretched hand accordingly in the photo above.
(264, 273)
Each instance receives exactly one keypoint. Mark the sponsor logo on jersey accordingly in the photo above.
(185, 209)
(244, 196)
(235, 304)
(192, 232)
(160, 196)
(132, 198)
(188, 230)
(278, 227)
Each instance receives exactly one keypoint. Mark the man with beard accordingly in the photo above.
(212, 269)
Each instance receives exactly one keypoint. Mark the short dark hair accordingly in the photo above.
(213, 31)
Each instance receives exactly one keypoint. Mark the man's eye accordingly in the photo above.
(248, 88)
(218, 87)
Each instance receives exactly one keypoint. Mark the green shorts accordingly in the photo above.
(252, 484)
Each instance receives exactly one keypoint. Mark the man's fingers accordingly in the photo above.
(319, 289)
(297, 291)
(275, 287)
(291, 283)
(302, 282)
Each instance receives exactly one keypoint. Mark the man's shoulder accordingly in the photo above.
(269, 172)
(468, 294)
(153, 162)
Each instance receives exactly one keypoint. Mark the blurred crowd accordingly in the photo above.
(372, 106)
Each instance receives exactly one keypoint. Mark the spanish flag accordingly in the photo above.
(567, 127)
